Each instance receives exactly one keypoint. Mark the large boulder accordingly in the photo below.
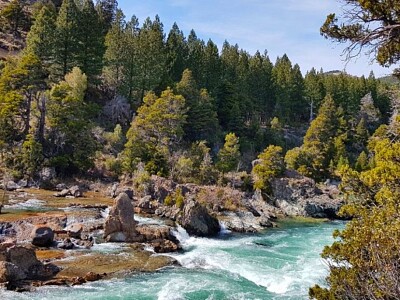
(24, 258)
(196, 220)
(26, 261)
(42, 236)
(10, 272)
(120, 224)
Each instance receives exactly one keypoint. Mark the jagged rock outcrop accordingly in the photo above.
(20, 263)
(159, 237)
(197, 220)
(120, 225)
(296, 195)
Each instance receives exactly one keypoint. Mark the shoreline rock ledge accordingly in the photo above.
(120, 225)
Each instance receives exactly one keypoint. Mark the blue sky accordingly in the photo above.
(279, 26)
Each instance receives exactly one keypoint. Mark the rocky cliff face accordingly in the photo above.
(296, 195)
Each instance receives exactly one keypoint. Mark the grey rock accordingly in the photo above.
(61, 186)
(10, 272)
(120, 224)
(66, 244)
(24, 258)
(296, 195)
(75, 230)
(42, 236)
(76, 191)
(196, 220)
(48, 174)
(12, 186)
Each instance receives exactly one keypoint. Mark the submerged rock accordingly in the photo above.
(120, 224)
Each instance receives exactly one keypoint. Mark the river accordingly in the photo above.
(281, 263)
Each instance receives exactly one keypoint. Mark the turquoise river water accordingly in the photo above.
(281, 263)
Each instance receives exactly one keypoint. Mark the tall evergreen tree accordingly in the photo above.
(229, 155)
(201, 113)
(177, 53)
(151, 55)
(107, 11)
(195, 56)
(115, 52)
(211, 67)
(41, 37)
(67, 40)
(89, 57)
(290, 103)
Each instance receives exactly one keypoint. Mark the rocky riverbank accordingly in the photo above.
(66, 227)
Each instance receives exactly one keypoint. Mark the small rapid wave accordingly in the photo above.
(30, 204)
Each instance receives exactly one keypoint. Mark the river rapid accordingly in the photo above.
(281, 263)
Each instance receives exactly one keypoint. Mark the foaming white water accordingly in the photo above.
(275, 266)
(278, 264)
(109, 247)
(26, 205)
(148, 221)
(223, 230)
(105, 212)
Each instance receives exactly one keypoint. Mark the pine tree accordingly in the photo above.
(89, 56)
(201, 112)
(70, 143)
(107, 11)
(67, 40)
(195, 55)
(211, 67)
(290, 103)
(151, 55)
(270, 164)
(155, 132)
(229, 155)
(41, 37)
(177, 53)
(14, 17)
(114, 56)
(323, 145)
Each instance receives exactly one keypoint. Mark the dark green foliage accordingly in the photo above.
(201, 114)
(177, 53)
(89, 57)
(71, 146)
(155, 132)
(41, 37)
(229, 155)
(270, 164)
(290, 104)
(14, 18)
(107, 11)
(66, 43)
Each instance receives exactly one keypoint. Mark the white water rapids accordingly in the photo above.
(280, 263)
